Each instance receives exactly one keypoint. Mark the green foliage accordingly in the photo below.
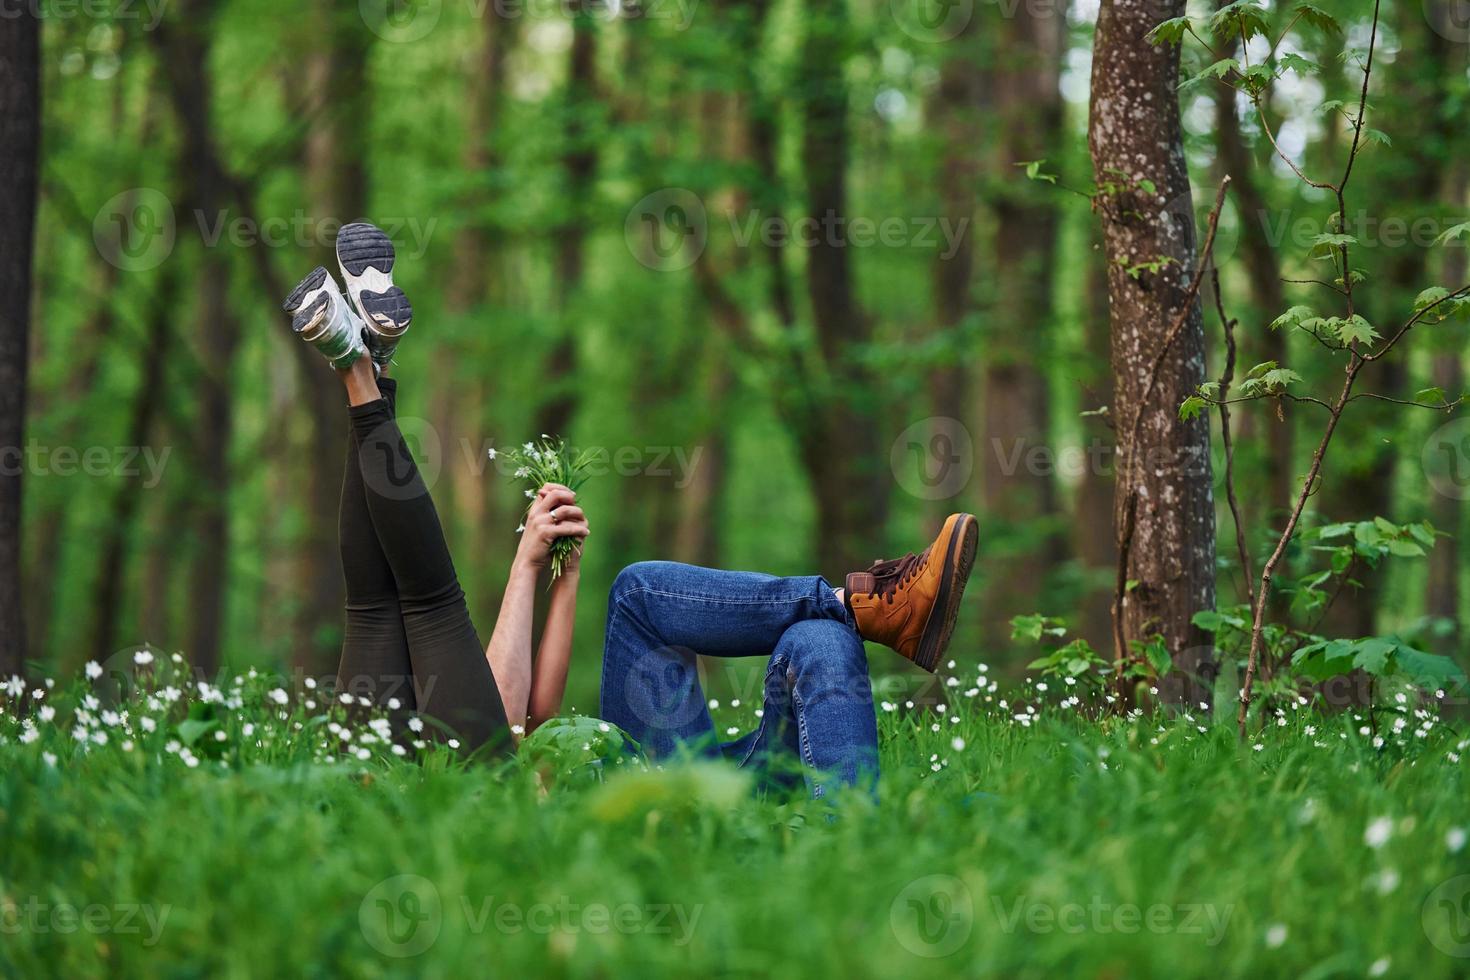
(1318, 18)
(275, 861)
(1074, 662)
(1341, 553)
(1293, 317)
(1242, 20)
(1171, 31)
(1354, 330)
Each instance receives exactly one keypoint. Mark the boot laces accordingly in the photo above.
(892, 574)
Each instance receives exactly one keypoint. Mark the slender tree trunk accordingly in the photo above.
(1020, 499)
(185, 44)
(579, 166)
(960, 108)
(20, 139)
(335, 164)
(1093, 538)
(1263, 277)
(49, 529)
(128, 495)
(477, 278)
(1447, 513)
(841, 445)
(1134, 129)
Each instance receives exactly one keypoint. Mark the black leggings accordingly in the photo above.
(409, 634)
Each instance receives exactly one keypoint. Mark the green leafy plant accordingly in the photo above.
(1346, 336)
(1073, 658)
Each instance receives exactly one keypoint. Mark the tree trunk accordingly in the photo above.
(841, 445)
(1021, 499)
(185, 46)
(579, 166)
(128, 495)
(50, 528)
(1446, 512)
(20, 138)
(335, 164)
(1092, 537)
(1134, 129)
(1268, 298)
(960, 106)
(477, 278)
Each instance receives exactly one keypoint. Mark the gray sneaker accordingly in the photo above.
(321, 317)
(366, 257)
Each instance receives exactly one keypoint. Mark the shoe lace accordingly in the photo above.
(893, 573)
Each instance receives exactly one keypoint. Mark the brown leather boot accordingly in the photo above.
(910, 604)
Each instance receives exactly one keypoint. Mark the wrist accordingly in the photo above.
(523, 567)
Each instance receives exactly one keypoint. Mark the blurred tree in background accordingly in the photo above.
(781, 259)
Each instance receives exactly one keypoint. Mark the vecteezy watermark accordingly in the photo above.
(1450, 19)
(137, 229)
(1446, 916)
(402, 458)
(130, 462)
(64, 918)
(402, 916)
(668, 230)
(933, 458)
(932, 21)
(405, 21)
(933, 916)
(838, 231)
(150, 12)
(1446, 459)
(1204, 919)
(408, 468)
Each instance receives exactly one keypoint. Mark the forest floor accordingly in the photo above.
(1006, 841)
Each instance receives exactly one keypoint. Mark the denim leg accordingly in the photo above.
(661, 615)
(819, 708)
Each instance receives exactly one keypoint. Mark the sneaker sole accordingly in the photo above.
(959, 559)
(366, 257)
(317, 306)
(310, 284)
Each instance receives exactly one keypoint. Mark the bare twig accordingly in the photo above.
(1350, 377)
(1227, 376)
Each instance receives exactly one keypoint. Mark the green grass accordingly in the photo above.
(1131, 846)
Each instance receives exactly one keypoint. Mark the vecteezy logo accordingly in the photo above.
(932, 21)
(400, 21)
(400, 916)
(1450, 19)
(933, 916)
(667, 230)
(135, 230)
(933, 458)
(1446, 459)
(402, 461)
(1446, 916)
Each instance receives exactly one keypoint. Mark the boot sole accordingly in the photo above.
(366, 256)
(959, 559)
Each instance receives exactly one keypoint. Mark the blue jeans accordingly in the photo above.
(818, 703)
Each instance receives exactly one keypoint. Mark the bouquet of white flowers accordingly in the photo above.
(549, 461)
